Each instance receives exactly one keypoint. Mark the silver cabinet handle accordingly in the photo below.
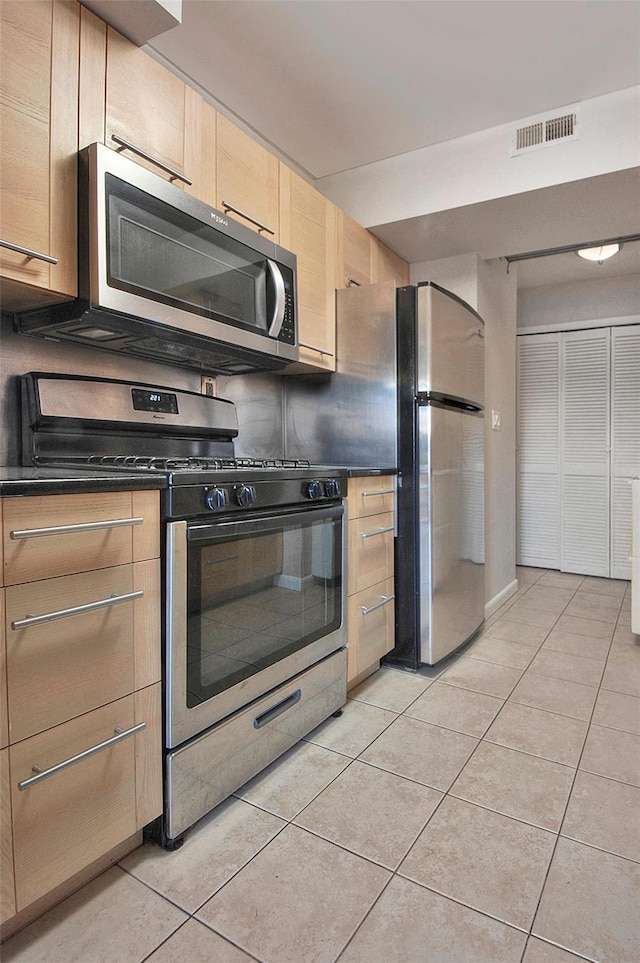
(352, 281)
(278, 310)
(234, 210)
(314, 347)
(120, 735)
(28, 252)
(31, 620)
(376, 531)
(379, 491)
(383, 601)
(127, 145)
(72, 529)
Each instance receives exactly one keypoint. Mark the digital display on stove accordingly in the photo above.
(147, 400)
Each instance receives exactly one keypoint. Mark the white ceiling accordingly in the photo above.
(334, 85)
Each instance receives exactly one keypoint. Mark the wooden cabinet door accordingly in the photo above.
(386, 265)
(200, 147)
(73, 817)
(247, 176)
(4, 717)
(370, 551)
(72, 548)
(370, 626)
(7, 887)
(353, 252)
(371, 495)
(39, 44)
(308, 228)
(78, 661)
(145, 105)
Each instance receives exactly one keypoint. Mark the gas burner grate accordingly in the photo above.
(164, 464)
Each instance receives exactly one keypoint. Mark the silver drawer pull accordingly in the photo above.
(40, 774)
(376, 531)
(32, 620)
(380, 491)
(73, 529)
(127, 145)
(277, 710)
(383, 601)
(234, 210)
(314, 347)
(28, 253)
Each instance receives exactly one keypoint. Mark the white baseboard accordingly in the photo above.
(494, 604)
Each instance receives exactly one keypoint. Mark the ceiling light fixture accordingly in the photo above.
(600, 253)
(592, 250)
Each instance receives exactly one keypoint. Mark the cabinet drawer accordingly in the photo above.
(370, 626)
(33, 551)
(371, 495)
(67, 820)
(4, 723)
(370, 551)
(61, 668)
(7, 890)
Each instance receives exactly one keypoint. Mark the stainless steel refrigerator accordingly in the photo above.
(408, 395)
(440, 543)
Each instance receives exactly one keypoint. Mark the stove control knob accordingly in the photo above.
(217, 498)
(314, 489)
(245, 495)
(331, 488)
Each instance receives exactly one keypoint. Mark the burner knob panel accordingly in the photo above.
(217, 498)
(315, 489)
(245, 495)
(331, 488)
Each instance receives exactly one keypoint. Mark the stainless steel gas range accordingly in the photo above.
(254, 642)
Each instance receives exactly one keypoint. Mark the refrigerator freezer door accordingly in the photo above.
(450, 530)
(450, 355)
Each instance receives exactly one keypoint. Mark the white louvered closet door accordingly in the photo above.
(538, 380)
(625, 441)
(585, 444)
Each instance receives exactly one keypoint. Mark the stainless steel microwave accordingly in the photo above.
(164, 276)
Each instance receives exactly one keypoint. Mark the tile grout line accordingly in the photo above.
(566, 807)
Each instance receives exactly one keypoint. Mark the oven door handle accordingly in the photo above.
(223, 530)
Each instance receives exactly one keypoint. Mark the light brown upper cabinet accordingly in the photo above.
(145, 107)
(308, 228)
(247, 180)
(39, 43)
(386, 265)
(354, 252)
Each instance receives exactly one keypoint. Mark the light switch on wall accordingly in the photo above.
(495, 420)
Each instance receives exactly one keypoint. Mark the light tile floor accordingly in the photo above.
(484, 810)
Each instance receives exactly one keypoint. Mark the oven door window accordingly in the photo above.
(257, 591)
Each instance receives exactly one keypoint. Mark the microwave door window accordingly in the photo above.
(181, 262)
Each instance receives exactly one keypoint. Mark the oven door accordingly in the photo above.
(250, 603)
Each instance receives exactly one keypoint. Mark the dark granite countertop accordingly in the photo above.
(353, 471)
(16, 480)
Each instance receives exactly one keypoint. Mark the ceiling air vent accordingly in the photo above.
(543, 131)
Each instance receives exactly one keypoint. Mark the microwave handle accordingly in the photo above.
(278, 309)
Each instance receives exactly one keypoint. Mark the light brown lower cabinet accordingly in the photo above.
(89, 803)
(370, 626)
(370, 571)
(7, 886)
(83, 770)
